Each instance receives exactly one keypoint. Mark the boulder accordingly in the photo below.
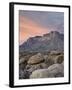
(60, 59)
(49, 60)
(34, 67)
(52, 59)
(43, 65)
(23, 74)
(38, 58)
(55, 52)
(22, 66)
(22, 60)
(40, 73)
(45, 57)
(55, 70)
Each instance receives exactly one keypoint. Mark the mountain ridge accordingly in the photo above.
(47, 42)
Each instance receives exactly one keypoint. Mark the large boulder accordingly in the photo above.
(34, 67)
(40, 73)
(38, 58)
(60, 59)
(49, 59)
(53, 59)
(55, 70)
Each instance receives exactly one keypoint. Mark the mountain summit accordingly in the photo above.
(49, 41)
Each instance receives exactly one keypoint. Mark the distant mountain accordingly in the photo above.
(50, 41)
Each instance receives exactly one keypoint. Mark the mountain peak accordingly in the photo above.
(50, 41)
(52, 33)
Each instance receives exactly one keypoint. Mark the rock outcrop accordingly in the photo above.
(41, 65)
(55, 70)
(38, 58)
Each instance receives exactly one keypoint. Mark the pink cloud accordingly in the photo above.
(29, 28)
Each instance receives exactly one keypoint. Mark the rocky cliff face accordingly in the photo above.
(50, 41)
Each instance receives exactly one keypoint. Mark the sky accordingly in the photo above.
(37, 23)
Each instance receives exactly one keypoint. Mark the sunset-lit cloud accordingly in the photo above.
(29, 28)
(37, 23)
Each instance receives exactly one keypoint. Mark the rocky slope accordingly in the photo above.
(48, 42)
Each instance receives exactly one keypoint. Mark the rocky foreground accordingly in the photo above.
(41, 65)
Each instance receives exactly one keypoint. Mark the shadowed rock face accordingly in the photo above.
(23, 74)
(50, 41)
(59, 59)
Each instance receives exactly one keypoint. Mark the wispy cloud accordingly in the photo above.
(29, 28)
